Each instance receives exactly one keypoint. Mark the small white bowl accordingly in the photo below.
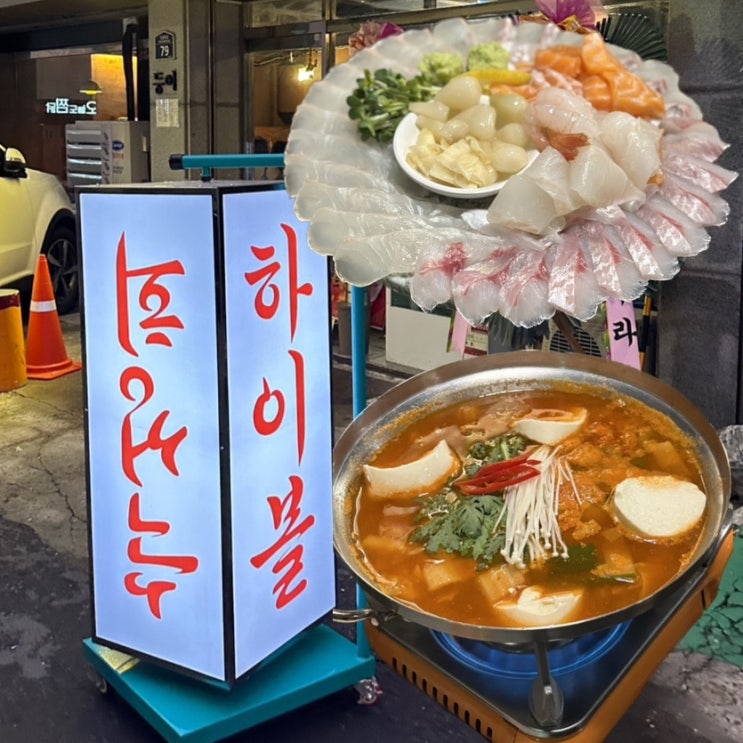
(406, 135)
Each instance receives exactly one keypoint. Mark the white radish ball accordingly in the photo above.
(460, 93)
(430, 109)
(454, 130)
(513, 134)
(433, 125)
(509, 107)
(508, 158)
(480, 119)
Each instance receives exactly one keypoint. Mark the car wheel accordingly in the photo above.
(60, 250)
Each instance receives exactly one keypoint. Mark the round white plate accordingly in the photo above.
(406, 136)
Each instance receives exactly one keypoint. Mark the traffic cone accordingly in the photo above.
(12, 350)
(46, 356)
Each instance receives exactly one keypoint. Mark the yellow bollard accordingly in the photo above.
(12, 345)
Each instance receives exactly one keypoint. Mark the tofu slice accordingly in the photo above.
(537, 607)
(407, 480)
(658, 506)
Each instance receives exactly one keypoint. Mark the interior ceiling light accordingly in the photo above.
(307, 72)
(91, 87)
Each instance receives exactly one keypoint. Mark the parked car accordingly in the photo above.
(36, 216)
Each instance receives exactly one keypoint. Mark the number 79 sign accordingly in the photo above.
(165, 45)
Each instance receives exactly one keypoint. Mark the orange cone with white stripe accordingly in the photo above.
(46, 356)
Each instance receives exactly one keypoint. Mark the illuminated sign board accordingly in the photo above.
(63, 107)
(208, 426)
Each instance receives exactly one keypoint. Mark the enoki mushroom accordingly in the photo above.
(531, 508)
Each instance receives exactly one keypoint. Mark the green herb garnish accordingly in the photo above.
(382, 99)
(467, 526)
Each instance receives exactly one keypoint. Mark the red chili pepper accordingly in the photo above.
(500, 475)
(506, 465)
(493, 485)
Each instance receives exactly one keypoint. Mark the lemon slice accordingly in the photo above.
(492, 76)
(550, 426)
(535, 608)
(413, 478)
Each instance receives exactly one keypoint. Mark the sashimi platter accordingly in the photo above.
(506, 167)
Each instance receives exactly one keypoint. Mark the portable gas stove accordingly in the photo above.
(575, 691)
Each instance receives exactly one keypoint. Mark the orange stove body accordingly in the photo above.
(445, 689)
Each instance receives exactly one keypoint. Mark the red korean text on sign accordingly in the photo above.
(286, 552)
(152, 290)
(137, 386)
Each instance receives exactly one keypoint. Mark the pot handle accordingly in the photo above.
(353, 616)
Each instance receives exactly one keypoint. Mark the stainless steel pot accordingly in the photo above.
(487, 375)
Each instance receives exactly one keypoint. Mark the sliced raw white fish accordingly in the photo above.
(614, 269)
(413, 478)
(703, 207)
(338, 147)
(314, 118)
(360, 268)
(680, 235)
(701, 172)
(696, 138)
(400, 249)
(355, 199)
(306, 170)
(634, 235)
(431, 283)
(550, 426)
(599, 181)
(524, 299)
(538, 607)
(658, 505)
(454, 33)
(573, 287)
(662, 77)
(477, 289)
(522, 205)
(551, 172)
(634, 144)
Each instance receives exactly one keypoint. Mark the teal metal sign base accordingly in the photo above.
(318, 663)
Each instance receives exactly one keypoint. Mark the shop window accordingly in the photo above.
(263, 13)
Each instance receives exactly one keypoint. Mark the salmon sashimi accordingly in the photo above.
(540, 79)
(628, 92)
(566, 60)
(596, 92)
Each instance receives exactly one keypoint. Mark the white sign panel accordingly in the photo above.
(153, 425)
(280, 428)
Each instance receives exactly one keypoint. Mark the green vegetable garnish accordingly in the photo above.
(498, 449)
(582, 558)
(462, 525)
(382, 99)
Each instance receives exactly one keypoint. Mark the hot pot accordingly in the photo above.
(464, 380)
